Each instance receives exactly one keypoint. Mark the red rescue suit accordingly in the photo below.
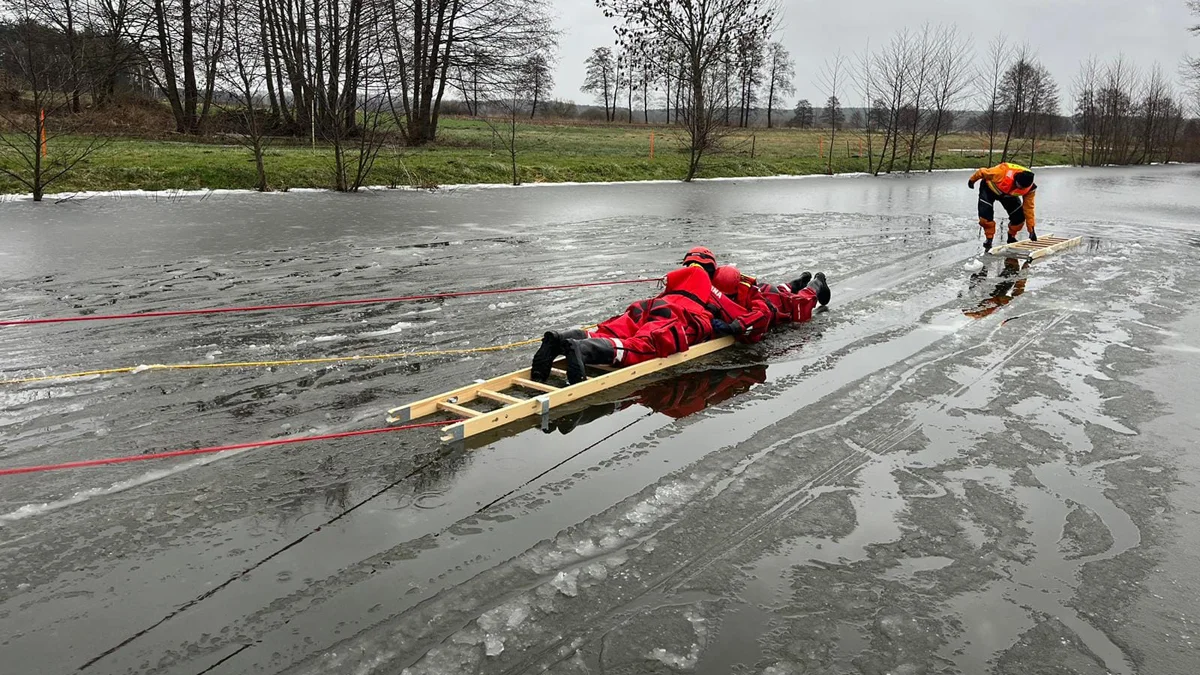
(664, 325)
(765, 303)
(789, 307)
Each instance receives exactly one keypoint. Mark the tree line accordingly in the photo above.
(351, 72)
(359, 73)
(915, 90)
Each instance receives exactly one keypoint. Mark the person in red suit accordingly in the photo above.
(785, 303)
(686, 313)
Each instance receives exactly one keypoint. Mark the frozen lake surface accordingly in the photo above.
(946, 473)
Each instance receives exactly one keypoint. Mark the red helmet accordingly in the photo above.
(727, 279)
(700, 256)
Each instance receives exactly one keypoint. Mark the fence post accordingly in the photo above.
(753, 144)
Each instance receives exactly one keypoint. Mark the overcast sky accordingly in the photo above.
(1062, 32)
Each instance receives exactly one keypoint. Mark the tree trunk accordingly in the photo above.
(191, 94)
(170, 79)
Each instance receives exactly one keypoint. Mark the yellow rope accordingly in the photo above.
(267, 364)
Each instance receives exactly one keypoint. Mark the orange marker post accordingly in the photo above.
(821, 147)
(652, 145)
(42, 130)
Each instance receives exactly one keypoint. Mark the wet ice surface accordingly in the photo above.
(911, 485)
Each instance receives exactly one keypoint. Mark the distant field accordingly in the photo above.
(467, 152)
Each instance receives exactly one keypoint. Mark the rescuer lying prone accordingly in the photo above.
(701, 301)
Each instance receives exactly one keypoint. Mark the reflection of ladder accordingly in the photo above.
(503, 394)
(1033, 250)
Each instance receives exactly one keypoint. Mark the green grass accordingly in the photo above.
(466, 152)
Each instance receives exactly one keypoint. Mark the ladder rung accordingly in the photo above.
(458, 409)
(536, 386)
(559, 372)
(499, 397)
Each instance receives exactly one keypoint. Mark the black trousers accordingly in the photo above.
(1011, 204)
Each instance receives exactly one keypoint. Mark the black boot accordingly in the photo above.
(553, 346)
(589, 352)
(821, 286)
(1011, 239)
(800, 282)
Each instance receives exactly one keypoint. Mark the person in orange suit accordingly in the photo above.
(1012, 185)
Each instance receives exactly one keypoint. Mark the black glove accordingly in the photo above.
(721, 328)
(1032, 235)
(737, 328)
(971, 183)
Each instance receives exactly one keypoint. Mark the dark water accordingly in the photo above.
(908, 484)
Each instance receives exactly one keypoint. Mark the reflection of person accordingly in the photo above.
(1002, 293)
(1012, 185)
(678, 397)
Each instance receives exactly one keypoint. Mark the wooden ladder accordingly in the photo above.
(505, 390)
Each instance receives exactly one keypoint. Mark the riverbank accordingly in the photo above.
(468, 152)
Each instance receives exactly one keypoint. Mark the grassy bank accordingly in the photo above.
(467, 152)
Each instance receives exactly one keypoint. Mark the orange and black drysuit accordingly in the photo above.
(999, 184)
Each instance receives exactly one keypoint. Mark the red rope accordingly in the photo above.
(210, 450)
(326, 303)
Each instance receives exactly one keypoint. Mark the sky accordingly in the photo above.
(1061, 32)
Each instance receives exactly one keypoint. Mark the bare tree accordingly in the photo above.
(831, 80)
(646, 85)
(920, 64)
(950, 72)
(781, 69)
(241, 75)
(187, 80)
(38, 146)
(601, 80)
(1086, 109)
(864, 77)
(703, 33)
(423, 39)
(537, 80)
(749, 61)
(997, 63)
(1016, 87)
(893, 70)
(505, 130)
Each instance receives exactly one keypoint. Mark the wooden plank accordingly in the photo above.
(1044, 246)
(428, 406)
(1063, 245)
(536, 386)
(553, 399)
(499, 397)
(457, 409)
(559, 372)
